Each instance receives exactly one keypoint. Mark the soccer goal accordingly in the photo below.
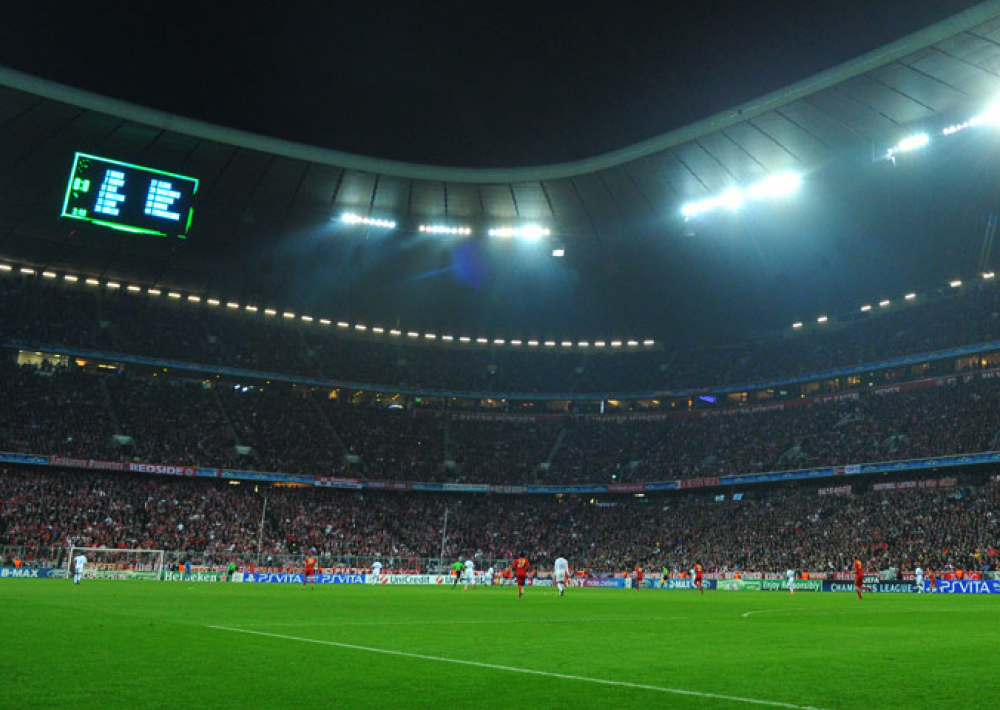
(113, 563)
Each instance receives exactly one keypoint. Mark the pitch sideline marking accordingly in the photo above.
(527, 671)
(313, 624)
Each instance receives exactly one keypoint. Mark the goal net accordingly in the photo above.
(113, 563)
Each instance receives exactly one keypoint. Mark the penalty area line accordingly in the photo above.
(526, 671)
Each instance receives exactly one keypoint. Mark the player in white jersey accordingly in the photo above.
(376, 570)
(790, 574)
(919, 574)
(469, 574)
(79, 562)
(560, 574)
(491, 575)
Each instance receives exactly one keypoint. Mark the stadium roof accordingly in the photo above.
(255, 187)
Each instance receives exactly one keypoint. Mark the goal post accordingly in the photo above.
(115, 563)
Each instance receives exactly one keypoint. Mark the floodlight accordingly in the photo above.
(359, 326)
(211, 301)
(174, 295)
(49, 274)
(324, 321)
(270, 312)
(515, 342)
(822, 319)
(343, 324)
(444, 229)
(550, 343)
(465, 339)
(647, 343)
(430, 336)
(558, 253)
(234, 305)
(778, 185)
(287, 314)
(93, 282)
(131, 287)
(307, 319)
(5, 267)
(616, 343)
(26, 270)
(412, 334)
(633, 343)
(395, 332)
(251, 309)
(797, 324)
(447, 338)
(988, 275)
(865, 308)
(910, 296)
(533, 343)
(67, 277)
(378, 329)
(909, 143)
(731, 198)
(351, 218)
(191, 299)
(482, 341)
(955, 284)
(583, 344)
(884, 303)
(150, 291)
(567, 344)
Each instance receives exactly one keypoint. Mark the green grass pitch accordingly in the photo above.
(159, 645)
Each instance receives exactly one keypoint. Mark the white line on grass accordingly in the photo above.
(527, 671)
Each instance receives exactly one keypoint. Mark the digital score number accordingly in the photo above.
(131, 198)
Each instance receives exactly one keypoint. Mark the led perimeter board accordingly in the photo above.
(129, 197)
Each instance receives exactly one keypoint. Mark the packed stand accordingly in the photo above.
(768, 531)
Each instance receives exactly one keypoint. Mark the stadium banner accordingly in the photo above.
(161, 469)
(687, 584)
(739, 585)
(835, 491)
(193, 577)
(431, 579)
(466, 487)
(626, 487)
(966, 586)
(707, 482)
(389, 485)
(331, 482)
(896, 587)
(25, 458)
(296, 578)
(801, 585)
(30, 572)
(567, 489)
(609, 582)
(86, 463)
(512, 490)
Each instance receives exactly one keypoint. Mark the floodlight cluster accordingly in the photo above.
(990, 116)
(351, 218)
(269, 313)
(885, 302)
(445, 229)
(777, 185)
(531, 232)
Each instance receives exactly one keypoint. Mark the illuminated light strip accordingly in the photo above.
(342, 324)
(49, 274)
(955, 284)
(307, 319)
(822, 319)
(884, 303)
(910, 296)
(288, 314)
(134, 289)
(351, 218)
(360, 326)
(797, 324)
(465, 339)
(192, 299)
(988, 275)
(567, 343)
(633, 343)
(26, 270)
(583, 344)
(777, 185)
(531, 232)
(5, 267)
(93, 282)
(907, 144)
(378, 329)
(616, 343)
(113, 285)
(213, 302)
(482, 341)
(251, 309)
(447, 338)
(550, 343)
(515, 343)
(599, 343)
(648, 343)
(865, 308)
(270, 312)
(154, 291)
(173, 294)
(533, 343)
(444, 229)
(232, 304)
(430, 336)
(324, 321)
(395, 332)
(412, 334)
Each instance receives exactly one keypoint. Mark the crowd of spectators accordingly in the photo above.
(293, 429)
(122, 321)
(768, 530)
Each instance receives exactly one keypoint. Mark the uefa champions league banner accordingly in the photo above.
(892, 587)
(425, 579)
(297, 578)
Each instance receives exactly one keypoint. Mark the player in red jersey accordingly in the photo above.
(639, 575)
(698, 572)
(521, 567)
(859, 577)
(931, 581)
(310, 572)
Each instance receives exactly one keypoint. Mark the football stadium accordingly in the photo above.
(414, 357)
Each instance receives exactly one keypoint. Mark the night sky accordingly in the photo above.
(452, 83)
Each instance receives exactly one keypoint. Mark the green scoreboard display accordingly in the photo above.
(131, 198)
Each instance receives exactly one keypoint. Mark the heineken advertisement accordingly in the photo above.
(768, 585)
(194, 577)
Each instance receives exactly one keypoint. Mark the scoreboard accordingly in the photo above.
(131, 198)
